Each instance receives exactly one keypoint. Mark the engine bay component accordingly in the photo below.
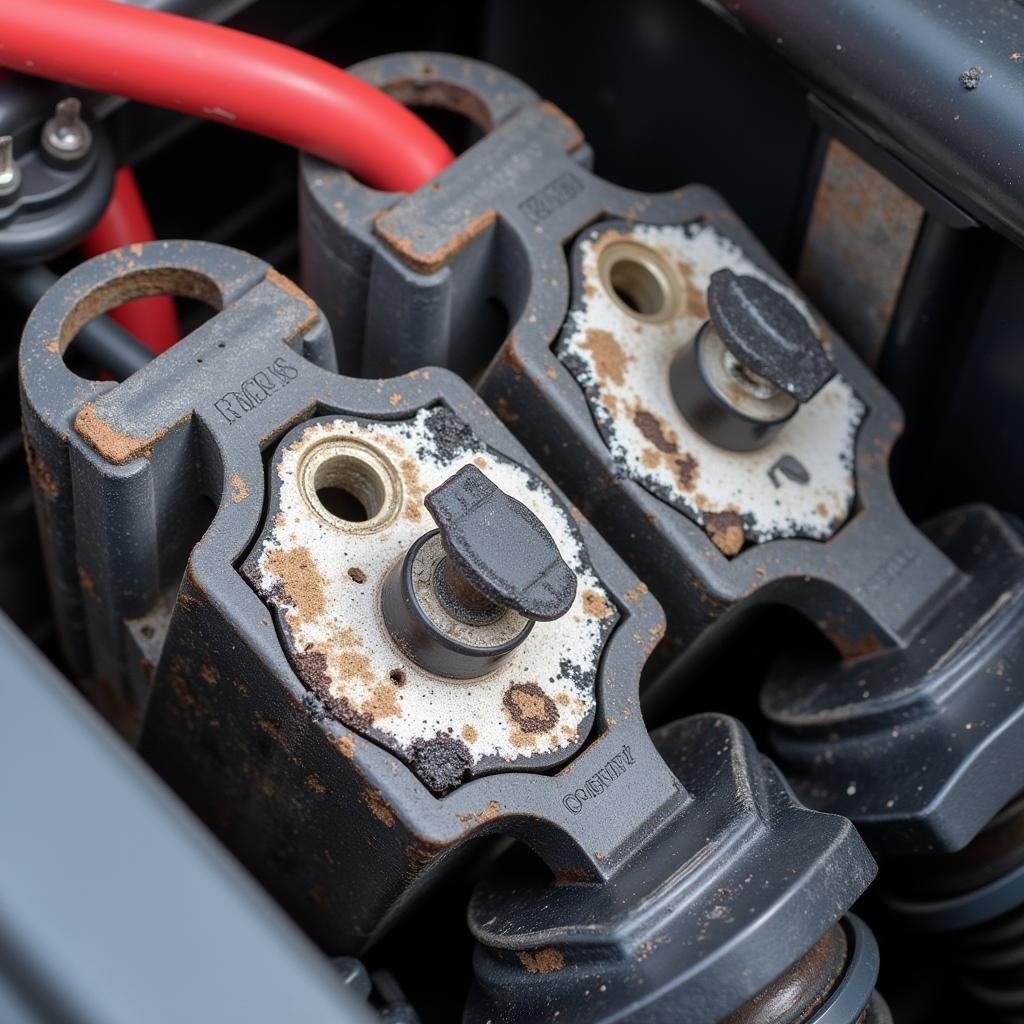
(731, 430)
(359, 605)
(567, 598)
(655, 283)
(718, 943)
(56, 173)
(749, 367)
(233, 77)
(669, 395)
(260, 752)
(240, 953)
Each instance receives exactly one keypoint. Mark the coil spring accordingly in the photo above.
(833, 983)
(972, 902)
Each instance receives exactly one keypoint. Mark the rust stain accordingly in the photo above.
(356, 574)
(421, 853)
(594, 604)
(469, 733)
(429, 262)
(570, 876)
(687, 472)
(239, 492)
(100, 435)
(650, 426)
(725, 530)
(312, 669)
(39, 471)
(541, 961)
(850, 648)
(575, 135)
(394, 399)
(530, 707)
(209, 675)
(489, 813)
(414, 489)
(291, 288)
(609, 359)
(344, 745)
(300, 578)
(313, 782)
(501, 407)
(115, 707)
(86, 583)
(510, 357)
(695, 301)
(374, 800)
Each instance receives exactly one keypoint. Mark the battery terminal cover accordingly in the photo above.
(641, 299)
(347, 506)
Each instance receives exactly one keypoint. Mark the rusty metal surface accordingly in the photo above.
(296, 793)
(322, 575)
(621, 359)
(865, 586)
(794, 996)
(857, 248)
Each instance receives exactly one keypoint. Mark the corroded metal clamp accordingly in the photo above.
(218, 528)
(789, 502)
(467, 594)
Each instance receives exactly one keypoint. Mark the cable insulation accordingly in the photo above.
(226, 76)
(125, 222)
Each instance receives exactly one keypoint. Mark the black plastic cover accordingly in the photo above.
(768, 334)
(502, 548)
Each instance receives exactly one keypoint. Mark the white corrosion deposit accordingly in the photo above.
(801, 484)
(322, 575)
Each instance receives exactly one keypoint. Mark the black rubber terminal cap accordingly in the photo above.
(768, 334)
(502, 548)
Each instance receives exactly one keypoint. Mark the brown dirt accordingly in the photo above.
(39, 471)
(489, 813)
(86, 583)
(414, 489)
(695, 302)
(344, 745)
(650, 426)
(541, 961)
(383, 703)
(374, 800)
(609, 359)
(347, 664)
(300, 577)
(289, 287)
(686, 471)
(725, 530)
(594, 604)
(114, 447)
(429, 262)
(530, 707)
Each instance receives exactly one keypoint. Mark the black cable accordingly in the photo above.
(101, 340)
